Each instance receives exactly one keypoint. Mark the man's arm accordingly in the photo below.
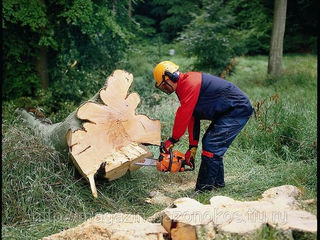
(188, 93)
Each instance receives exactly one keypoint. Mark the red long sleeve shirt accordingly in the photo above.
(188, 89)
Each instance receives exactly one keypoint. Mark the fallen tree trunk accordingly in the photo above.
(104, 133)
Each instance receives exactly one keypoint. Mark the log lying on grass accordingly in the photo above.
(104, 133)
(190, 220)
(277, 208)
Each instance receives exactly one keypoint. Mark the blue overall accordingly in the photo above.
(229, 109)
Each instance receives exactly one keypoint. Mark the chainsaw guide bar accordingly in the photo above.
(147, 162)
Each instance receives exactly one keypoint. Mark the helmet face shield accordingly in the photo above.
(165, 87)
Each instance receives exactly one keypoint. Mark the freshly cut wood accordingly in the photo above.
(113, 226)
(278, 208)
(188, 219)
(104, 134)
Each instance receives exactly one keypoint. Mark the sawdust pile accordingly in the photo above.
(114, 227)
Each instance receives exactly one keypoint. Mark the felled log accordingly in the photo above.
(104, 134)
(278, 208)
(113, 226)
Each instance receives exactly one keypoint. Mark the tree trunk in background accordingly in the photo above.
(114, 6)
(42, 67)
(276, 44)
(129, 8)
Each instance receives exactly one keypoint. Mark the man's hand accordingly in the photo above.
(190, 156)
(168, 144)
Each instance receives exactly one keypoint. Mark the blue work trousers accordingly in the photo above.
(215, 143)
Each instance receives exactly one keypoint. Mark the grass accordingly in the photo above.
(42, 194)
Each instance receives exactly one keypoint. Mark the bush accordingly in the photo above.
(208, 37)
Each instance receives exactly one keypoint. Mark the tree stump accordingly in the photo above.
(277, 208)
(105, 136)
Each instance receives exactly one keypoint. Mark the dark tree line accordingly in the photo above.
(73, 44)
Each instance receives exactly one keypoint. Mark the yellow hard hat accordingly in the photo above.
(159, 70)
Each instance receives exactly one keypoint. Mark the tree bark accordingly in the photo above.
(129, 8)
(42, 67)
(114, 6)
(103, 138)
(276, 43)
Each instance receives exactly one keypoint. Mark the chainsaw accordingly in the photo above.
(172, 161)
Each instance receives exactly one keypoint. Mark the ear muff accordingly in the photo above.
(174, 77)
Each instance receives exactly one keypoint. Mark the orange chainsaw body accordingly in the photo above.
(173, 162)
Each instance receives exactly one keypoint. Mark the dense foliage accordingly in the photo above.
(78, 43)
(208, 37)
(253, 24)
(82, 38)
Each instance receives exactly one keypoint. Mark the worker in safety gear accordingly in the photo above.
(204, 97)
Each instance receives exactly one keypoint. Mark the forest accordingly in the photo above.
(58, 54)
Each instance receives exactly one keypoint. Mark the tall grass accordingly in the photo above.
(42, 194)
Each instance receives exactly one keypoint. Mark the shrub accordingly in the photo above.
(208, 37)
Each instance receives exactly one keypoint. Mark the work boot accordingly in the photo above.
(219, 183)
(211, 174)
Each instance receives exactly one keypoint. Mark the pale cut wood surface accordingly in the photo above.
(116, 226)
(112, 132)
(278, 208)
(189, 219)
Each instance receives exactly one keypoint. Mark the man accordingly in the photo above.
(203, 96)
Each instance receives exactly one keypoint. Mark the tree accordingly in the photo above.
(276, 44)
(42, 39)
(177, 16)
(27, 34)
(252, 25)
(105, 138)
(208, 37)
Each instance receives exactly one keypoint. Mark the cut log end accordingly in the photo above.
(112, 133)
